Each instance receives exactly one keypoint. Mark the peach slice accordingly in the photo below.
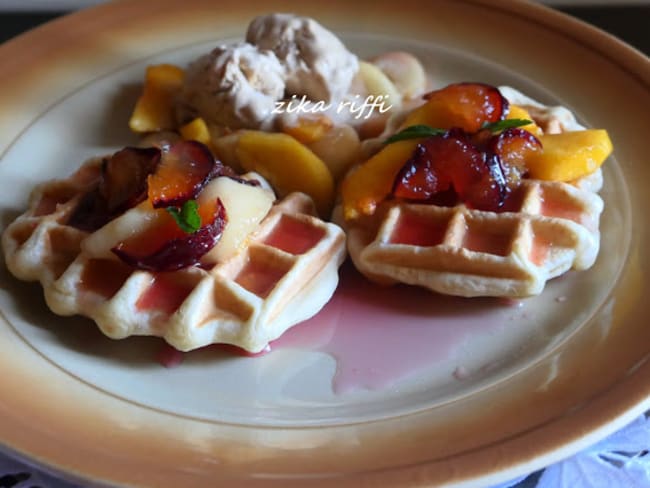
(364, 188)
(309, 129)
(196, 130)
(225, 149)
(569, 155)
(154, 110)
(288, 165)
(339, 148)
(379, 85)
(517, 112)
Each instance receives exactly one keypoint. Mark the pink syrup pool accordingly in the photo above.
(380, 335)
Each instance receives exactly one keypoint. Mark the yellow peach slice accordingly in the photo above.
(517, 112)
(309, 130)
(379, 85)
(288, 165)
(154, 110)
(339, 148)
(569, 155)
(364, 188)
(197, 130)
(435, 113)
(225, 149)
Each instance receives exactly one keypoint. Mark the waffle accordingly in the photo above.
(550, 227)
(285, 273)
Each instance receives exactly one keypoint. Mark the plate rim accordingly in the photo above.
(617, 52)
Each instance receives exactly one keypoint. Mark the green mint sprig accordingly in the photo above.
(187, 217)
(415, 132)
(422, 130)
(501, 125)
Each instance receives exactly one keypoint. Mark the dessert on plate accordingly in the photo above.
(291, 102)
(214, 229)
(481, 192)
(166, 241)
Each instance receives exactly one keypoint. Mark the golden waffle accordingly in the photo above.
(550, 228)
(284, 274)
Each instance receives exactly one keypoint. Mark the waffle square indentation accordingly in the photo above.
(104, 277)
(64, 248)
(549, 237)
(561, 205)
(540, 248)
(167, 292)
(294, 236)
(417, 229)
(20, 233)
(52, 197)
(489, 236)
(262, 271)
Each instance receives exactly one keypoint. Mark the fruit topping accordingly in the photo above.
(378, 85)
(123, 182)
(464, 105)
(339, 149)
(514, 147)
(404, 70)
(90, 213)
(154, 110)
(246, 205)
(166, 247)
(288, 165)
(168, 176)
(187, 217)
(163, 209)
(184, 170)
(417, 180)
(517, 112)
(452, 160)
(309, 129)
(415, 132)
(467, 107)
(489, 190)
(196, 130)
(466, 144)
(122, 185)
(367, 185)
(569, 155)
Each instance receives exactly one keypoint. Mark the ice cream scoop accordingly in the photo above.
(316, 62)
(234, 85)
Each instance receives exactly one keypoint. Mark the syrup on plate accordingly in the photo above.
(379, 335)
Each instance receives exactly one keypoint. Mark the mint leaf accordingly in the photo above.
(421, 130)
(187, 218)
(504, 124)
(415, 132)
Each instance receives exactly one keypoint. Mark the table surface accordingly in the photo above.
(629, 23)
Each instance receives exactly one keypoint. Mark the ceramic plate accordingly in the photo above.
(385, 386)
